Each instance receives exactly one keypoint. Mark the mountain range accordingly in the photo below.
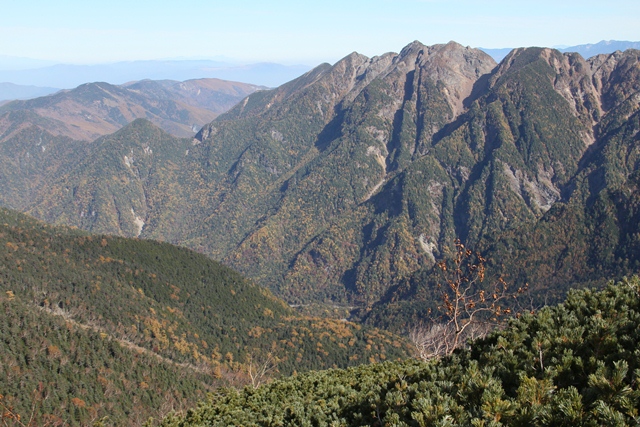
(345, 192)
(348, 184)
(95, 109)
(10, 91)
(31, 78)
(586, 50)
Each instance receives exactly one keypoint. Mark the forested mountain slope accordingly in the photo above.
(342, 185)
(572, 364)
(76, 307)
(55, 371)
(589, 230)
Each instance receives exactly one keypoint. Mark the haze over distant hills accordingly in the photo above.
(20, 63)
(67, 76)
(11, 91)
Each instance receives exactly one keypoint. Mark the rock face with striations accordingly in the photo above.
(323, 146)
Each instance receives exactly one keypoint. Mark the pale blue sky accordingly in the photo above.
(288, 31)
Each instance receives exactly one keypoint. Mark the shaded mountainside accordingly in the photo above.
(120, 182)
(137, 300)
(96, 109)
(32, 157)
(347, 184)
(572, 364)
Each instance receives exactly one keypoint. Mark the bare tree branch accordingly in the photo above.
(259, 370)
(470, 309)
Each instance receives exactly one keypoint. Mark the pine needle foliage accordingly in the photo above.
(577, 363)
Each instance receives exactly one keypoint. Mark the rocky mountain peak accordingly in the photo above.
(568, 74)
(615, 76)
(456, 67)
(451, 65)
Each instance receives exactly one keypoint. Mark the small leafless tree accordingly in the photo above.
(469, 307)
(259, 370)
(440, 339)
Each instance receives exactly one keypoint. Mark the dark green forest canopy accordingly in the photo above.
(172, 300)
(94, 326)
(55, 372)
(577, 363)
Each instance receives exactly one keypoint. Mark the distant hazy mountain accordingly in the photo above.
(69, 76)
(586, 50)
(95, 109)
(10, 91)
(605, 46)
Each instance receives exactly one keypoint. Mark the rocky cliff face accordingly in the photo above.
(577, 178)
(324, 146)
